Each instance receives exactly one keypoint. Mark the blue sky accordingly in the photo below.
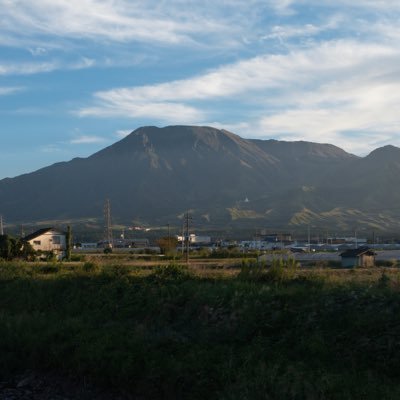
(78, 75)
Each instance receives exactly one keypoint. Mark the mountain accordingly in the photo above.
(154, 175)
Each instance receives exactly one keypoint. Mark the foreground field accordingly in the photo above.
(218, 333)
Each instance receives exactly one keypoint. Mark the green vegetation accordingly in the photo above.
(176, 332)
(168, 245)
(11, 248)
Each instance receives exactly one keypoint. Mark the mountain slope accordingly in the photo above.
(155, 174)
(152, 172)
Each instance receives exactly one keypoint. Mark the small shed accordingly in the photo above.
(361, 257)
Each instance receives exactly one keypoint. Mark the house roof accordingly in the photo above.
(358, 252)
(38, 233)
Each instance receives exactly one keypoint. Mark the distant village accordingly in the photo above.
(351, 250)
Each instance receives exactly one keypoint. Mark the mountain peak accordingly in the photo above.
(385, 154)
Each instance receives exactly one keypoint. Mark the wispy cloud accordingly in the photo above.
(285, 32)
(38, 51)
(120, 106)
(30, 68)
(27, 68)
(326, 91)
(117, 21)
(4, 91)
(50, 148)
(122, 133)
(87, 139)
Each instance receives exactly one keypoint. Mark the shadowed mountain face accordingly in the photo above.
(155, 174)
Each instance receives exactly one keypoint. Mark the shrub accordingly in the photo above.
(90, 267)
(48, 269)
(279, 271)
(77, 257)
(171, 272)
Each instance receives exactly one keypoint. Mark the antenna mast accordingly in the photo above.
(108, 239)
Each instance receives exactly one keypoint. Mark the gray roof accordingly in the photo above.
(358, 252)
(38, 233)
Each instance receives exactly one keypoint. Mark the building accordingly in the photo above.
(361, 257)
(195, 239)
(49, 240)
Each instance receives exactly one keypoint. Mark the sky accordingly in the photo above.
(78, 75)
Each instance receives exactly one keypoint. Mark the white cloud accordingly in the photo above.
(283, 6)
(325, 93)
(31, 68)
(303, 83)
(86, 139)
(168, 112)
(83, 63)
(27, 68)
(38, 51)
(122, 133)
(51, 148)
(285, 32)
(4, 91)
(299, 68)
(120, 21)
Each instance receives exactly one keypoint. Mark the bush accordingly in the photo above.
(172, 272)
(90, 267)
(77, 257)
(279, 271)
(48, 269)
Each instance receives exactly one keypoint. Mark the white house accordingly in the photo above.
(48, 240)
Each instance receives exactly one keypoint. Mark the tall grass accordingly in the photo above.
(171, 335)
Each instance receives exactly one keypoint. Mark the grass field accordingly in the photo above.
(207, 331)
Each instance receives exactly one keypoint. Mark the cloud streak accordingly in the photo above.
(31, 68)
(319, 93)
(5, 91)
(87, 139)
(119, 21)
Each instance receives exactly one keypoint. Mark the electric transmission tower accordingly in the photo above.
(108, 239)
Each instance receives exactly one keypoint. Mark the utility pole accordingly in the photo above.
(187, 236)
(169, 239)
(108, 239)
(1, 226)
(183, 237)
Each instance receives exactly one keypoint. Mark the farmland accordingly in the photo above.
(225, 329)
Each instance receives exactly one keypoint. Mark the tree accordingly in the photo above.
(6, 247)
(25, 250)
(167, 244)
(11, 248)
